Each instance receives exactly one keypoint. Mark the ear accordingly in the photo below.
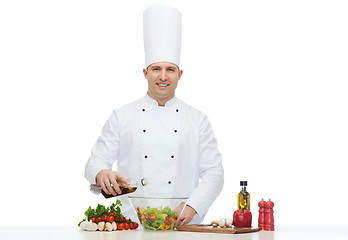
(145, 72)
(180, 74)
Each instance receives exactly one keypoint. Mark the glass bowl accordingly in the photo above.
(158, 214)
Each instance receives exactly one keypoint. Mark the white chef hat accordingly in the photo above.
(162, 34)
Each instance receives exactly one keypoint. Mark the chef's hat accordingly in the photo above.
(162, 34)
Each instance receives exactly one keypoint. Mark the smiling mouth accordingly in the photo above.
(162, 84)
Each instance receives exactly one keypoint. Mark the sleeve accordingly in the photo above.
(211, 172)
(105, 150)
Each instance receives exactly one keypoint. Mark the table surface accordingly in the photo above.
(67, 233)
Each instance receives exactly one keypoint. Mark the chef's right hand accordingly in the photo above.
(109, 181)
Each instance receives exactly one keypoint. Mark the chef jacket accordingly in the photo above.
(173, 147)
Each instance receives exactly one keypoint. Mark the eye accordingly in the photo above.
(171, 69)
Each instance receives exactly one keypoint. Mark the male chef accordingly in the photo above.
(159, 137)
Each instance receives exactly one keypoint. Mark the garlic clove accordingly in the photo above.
(101, 226)
(114, 226)
(108, 227)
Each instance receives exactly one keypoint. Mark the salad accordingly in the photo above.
(157, 218)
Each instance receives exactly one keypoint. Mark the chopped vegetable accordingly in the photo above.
(157, 218)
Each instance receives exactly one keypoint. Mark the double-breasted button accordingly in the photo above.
(172, 156)
(177, 110)
(145, 156)
(169, 182)
(144, 130)
(143, 109)
(175, 131)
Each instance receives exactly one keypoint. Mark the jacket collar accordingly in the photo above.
(153, 102)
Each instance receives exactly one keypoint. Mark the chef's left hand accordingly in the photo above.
(186, 216)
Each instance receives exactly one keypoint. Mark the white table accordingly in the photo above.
(67, 233)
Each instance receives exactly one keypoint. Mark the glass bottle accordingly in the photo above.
(132, 187)
(243, 196)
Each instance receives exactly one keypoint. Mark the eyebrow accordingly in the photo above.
(170, 67)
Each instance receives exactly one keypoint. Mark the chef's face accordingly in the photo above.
(162, 78)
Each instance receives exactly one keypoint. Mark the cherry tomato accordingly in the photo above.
(104, 218)
(120, 226)
(136, 225)
(110, 219)
(168, 222)
(126, 226)
(92, 219)
(152, 217)
(98, 219)
(112, 213)
(131, 226)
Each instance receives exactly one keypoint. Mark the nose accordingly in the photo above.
(163, 75)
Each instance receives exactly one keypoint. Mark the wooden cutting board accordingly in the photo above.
(211, 229)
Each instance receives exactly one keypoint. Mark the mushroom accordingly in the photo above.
(228, 222)
(215, 223)
(101, 226)
(222, 222)
(108, 227)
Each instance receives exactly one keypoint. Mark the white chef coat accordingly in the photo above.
(173, 147)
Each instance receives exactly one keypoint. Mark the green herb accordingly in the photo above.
(101, 209)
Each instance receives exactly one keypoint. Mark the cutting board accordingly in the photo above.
(211, 229)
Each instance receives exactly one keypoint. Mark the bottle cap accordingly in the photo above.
(144, 181)
(243, 183)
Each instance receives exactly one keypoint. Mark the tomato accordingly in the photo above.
(110, 219)
(131, 226)
(98, 219)
(120, 226)
(92, 219)
(104, 218)
(168, 222)
(112, 213)
(136, 225)
(126, 226)
(152, 217)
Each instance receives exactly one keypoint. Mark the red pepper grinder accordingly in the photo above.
(262, 214)
(269, 218)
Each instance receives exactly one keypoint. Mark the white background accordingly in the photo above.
(271, 76)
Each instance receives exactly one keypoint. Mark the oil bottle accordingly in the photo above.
(243, 196)
(132, 187)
